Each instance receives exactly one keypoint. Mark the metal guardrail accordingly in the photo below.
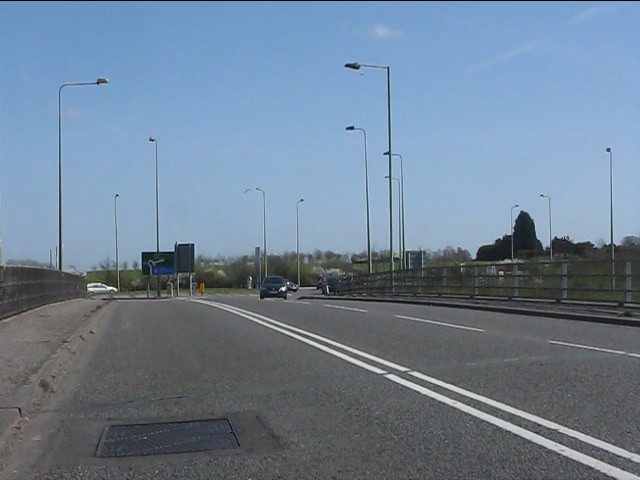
(590, 281)
(25, 288)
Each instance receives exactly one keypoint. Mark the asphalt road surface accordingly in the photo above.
(336, 390)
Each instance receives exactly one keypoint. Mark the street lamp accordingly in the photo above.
(115, 212)
(550, 241)
(515, 206)
(358, 66)
(264, 226)
(298, 237)
(399, 216)
(366, 181)
(404, 252)
(613, 268)
(99, 81)
(155, 141)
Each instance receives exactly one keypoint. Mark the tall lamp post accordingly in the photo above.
(115, 213)
(404, 252)
(515, 206)
(155, 141)
(298, 236)
(99, 81)
(399, 216)
(613, 267)
(358, 66)
(264, 226)
(542, 195)
(366, 182)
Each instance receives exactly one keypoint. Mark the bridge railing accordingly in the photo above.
(591, 281)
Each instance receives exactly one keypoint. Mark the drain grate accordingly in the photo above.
(163, 438)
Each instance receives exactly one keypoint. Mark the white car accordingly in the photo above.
(96, 288)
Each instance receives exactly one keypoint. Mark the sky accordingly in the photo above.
(492, 104)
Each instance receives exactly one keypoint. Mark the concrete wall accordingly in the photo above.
(25, 288)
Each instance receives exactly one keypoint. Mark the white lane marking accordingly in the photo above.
(328, 341)
(516, 430)
(532, 418)
(597, 349)
(452, 325)
(346, 308)
(501, 406)
(250, 316)
(301, 302)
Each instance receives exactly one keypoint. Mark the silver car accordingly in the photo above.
(99, 288)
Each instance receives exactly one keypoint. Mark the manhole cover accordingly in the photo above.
(164, 438)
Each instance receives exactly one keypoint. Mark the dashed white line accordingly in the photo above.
(519, 431)
(597, 349)
(351, 309)
(442, 324)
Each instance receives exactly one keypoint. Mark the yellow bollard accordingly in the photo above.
(201, 288)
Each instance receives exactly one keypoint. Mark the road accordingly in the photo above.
(341, 389)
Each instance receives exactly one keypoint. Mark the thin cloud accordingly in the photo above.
(530, 47)
(589, 13)
(384, 32)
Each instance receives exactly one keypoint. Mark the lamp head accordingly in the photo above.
(101, 80)
(353, 65)
(608, 149)
(350, 127)
(152, 139)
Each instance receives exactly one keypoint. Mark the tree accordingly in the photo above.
(28, 263)
(585, 249)
(486, 253)
(524, 241)
(563, 246)
(630, 241)
(524, 235)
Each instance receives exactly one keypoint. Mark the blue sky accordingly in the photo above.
(492, 104)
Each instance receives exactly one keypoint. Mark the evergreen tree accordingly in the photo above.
(524, 234)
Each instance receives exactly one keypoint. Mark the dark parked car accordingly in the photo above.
(330, 284)
(273, 286)
(334, 284)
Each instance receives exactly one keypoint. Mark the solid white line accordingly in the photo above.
(501, 406)
(532, 418)
(346, 308)
(331, 351)
(301, 302)
(597, 349)
(452, 325)
(333, 343)
(521, 432)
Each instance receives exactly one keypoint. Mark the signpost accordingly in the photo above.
(180, 260)
(415, 259)
(158, 263)
(185, 262)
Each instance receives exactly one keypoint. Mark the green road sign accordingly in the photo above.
(157, 263)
